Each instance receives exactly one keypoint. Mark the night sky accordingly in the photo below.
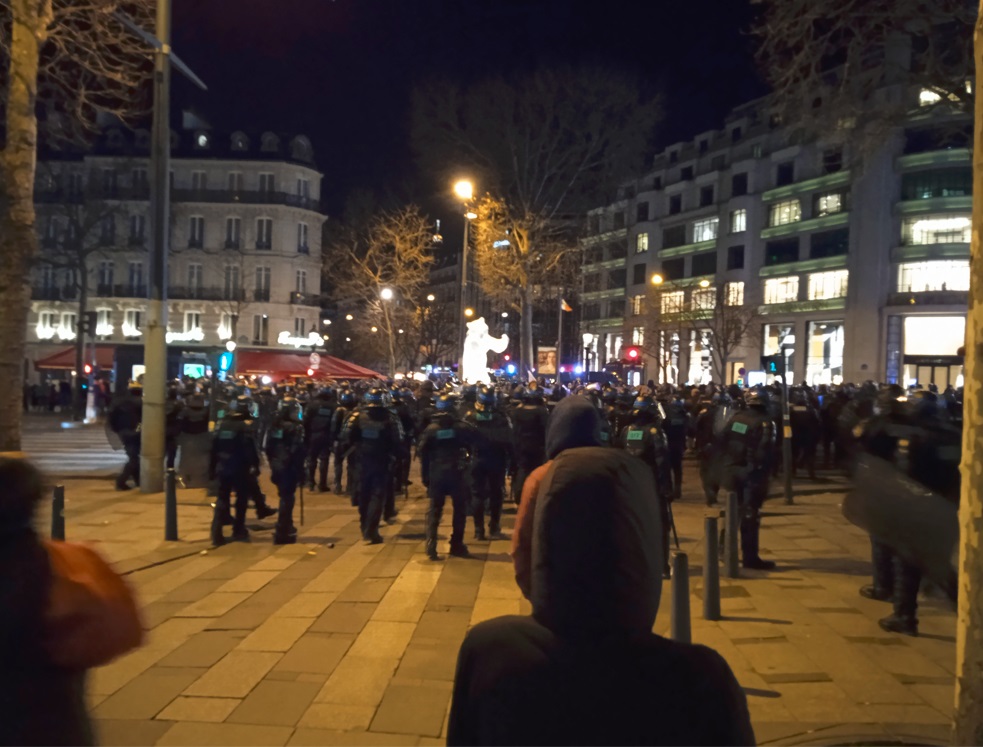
(341, 71)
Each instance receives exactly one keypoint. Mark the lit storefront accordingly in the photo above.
(930, 351)
(777, 337)
(824, 353)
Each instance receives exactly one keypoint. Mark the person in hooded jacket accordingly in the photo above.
(64, 611)
(575, 422)
(585, 667)
(529, 434)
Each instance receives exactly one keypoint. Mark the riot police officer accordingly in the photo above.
(675, 426)
(172, 424)
(235, 463)
(643, 438)
(493, 453)
(443, 450)
(529, 432)
(346, 405)
(374, 431)
(747, 444)
(124, 420)
(285, 452)
(317, 423)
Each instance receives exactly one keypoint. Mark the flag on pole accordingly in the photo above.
(564, 306)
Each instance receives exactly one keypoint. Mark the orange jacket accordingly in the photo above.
(522, 534)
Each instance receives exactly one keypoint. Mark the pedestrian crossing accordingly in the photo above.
(81, 450)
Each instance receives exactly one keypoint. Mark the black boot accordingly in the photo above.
(263, 511)
(906, 625)
(218, 539)
(460, 550)
(750, 527)
(479, 530)
(870, 591)
(432, 522)
(284, 535)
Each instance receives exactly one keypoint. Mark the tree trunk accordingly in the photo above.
(18, 240)
(528, 361)
(968, 715)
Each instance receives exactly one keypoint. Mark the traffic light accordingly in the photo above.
(507, 357)
(773, 364)
(225, 361)
(632, 354)
(87, 324)
(87, 368)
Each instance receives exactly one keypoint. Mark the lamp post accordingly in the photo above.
(386, 295)
(588, 338)
(464, 190)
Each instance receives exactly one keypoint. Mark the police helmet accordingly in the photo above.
(485, 399)
(756, 398)
(889, 400)
(242, 406)
(469, 393)
(290, 409)
(347, 397)
(610, 396)
(923, 403)
(643, 403)
(375, 397)
(444, 403)
(405, 395)
(533, 395)
(135, 387)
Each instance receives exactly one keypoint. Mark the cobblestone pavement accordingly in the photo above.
(334, 642)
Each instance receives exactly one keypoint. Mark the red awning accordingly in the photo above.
(285, 365)
(65, 359)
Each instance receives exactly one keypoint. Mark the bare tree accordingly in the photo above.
(542, 146)
(381, 267)
(77, 58)
(834, 66)
(731, 324)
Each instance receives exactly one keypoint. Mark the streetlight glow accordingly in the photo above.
(375, 329)
(386, 294)
(505, 315)
(464, 189)
(469, 312)
(349, 317)
(656, 279)
(230, 345)
(470, 216)
(704, 283)
(431, 297)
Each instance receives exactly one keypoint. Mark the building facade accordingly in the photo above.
(854, 265)
(245, 243)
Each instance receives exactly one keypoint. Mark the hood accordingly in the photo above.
(597, 545)
(574, 422)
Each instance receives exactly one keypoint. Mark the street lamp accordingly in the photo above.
(657, 279)
(349, 317)
(386, 294)
(588, 338)
(230, 346)
(431, 297)
(469, 313)
(505, 315)
(704, 283)
(464, 190)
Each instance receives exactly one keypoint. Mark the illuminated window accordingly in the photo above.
(672, 302)
(705, 230)
(927, 98)
(782, 290)
(936, 229)
(638, 335)
(828, 204)
(916, 277)
(783, 213)
(641, 243)
(705, 298)
(734, 294)
(830, 284)
(192, 321)
(636, 305)
(132, 322)
(738, 220)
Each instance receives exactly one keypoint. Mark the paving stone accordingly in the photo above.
(184, 733)
(276, 634)
(157, 612)
(201, 650)
(439, 625)
(401, 606)
(235, 675)
(486, 609)
(358, 681)
(192, 591)
(314, 653)
(435, 662)
(212, 710)
(126, 733)
(384, 567)
(305, 569)
(366, 590)
(407, 709)
(249, 581)
(215, 604)
(275, 703)
(419, 579)
(147, 694)
(327, 738)
(276, 562)
(452, 595)
(820, 701)
(903, 714)
(307, 604)
(343, 617)
(382, 640)
(338, 717)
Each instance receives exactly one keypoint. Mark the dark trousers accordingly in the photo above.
(317, 456)
(372, 487)
(882, 559)
(286, 487)
(487, 495)
(170, 449)
(524, 464)
(751, 489)
(226, 485)
(131, 470)
(441, 487)
(676, 465)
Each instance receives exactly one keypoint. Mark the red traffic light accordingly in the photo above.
(632, 354)
(507, 357)
(87, 368)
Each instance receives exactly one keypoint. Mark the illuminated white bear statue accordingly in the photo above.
(474, 361)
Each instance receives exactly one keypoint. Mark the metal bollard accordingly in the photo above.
(731, 536)
(170, 505)
(711, 571)
(680, 626)
(58, 513)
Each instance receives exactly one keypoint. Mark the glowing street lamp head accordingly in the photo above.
(375, 329)
(469, 312)
(349, 317)
(431, 297)
(704, 283)
(657, 279)
(464, 189)
(386, 294)
(230, 345)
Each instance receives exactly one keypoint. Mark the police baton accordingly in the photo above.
(302, 501)
(672, 523)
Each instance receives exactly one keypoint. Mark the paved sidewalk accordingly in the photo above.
(353, 644)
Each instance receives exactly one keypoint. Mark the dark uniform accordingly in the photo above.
(234, 463)
(529, 432)
(747, 446)
(806, 431)
(493, 453)
(443, 450)
(644, 439)
(346, 405)
(317, 422)
(124, 419)
(676, 426)
(172, 425)
(376, 434)
(285, 452)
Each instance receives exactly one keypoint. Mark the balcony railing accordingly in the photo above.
(305, 299)
(54, 293)
(930, 298)
(246, 197)
(261, 294)
(233, 244)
